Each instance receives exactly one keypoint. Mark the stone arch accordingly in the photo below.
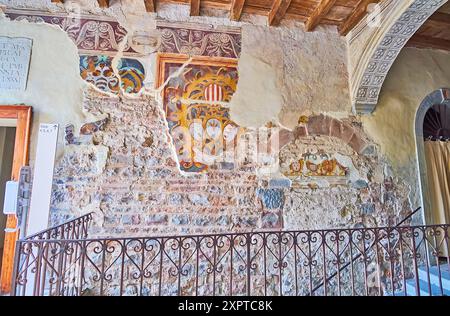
(380, 48)
(322, 125)
(441, 96)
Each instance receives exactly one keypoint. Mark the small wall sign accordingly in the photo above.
(15, 54)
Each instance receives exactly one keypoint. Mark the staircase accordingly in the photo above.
(430, 284)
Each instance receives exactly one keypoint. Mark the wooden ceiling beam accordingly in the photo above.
(278, 11)
(58, 1)
(103, 3)
(195, 8)
(236, 9)
(319, 12)
(357, 15)
(150, 5)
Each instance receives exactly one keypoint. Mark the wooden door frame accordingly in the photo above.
(22, 114)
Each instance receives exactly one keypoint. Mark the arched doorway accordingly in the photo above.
(433, 152)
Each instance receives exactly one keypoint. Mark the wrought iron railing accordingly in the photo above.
(357, 256)
(257, 263)
(74, 229)
(42, 267)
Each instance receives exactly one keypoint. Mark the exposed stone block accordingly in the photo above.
(157, 219)
(180, 219)
(360, 184)
(199, 199)
(367, 208)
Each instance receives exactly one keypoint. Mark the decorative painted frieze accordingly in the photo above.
(91, 34)
(199, 41)
(199, 124)
(316, 165)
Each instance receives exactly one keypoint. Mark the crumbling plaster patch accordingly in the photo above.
(55, 88)
(309, 68)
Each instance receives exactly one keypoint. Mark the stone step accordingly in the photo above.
(425, 289)
(434, 275)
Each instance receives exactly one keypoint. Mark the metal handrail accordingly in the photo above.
(213, 264)
(359, 256)
(59, 230)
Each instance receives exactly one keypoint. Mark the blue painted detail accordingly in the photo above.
(271, 198)
(280, 183)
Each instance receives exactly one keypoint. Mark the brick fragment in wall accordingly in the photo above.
(156, 219)
(327, 126)
(319, 125)
(341, 130)
(300, 131)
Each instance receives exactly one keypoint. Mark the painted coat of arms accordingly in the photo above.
(195, 104)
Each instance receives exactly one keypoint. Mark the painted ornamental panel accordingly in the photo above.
(195, 103)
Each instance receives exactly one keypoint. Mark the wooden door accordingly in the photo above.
(22, 114)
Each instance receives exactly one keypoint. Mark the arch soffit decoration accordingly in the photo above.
(383, 48)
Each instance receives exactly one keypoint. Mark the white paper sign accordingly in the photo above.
(10, 203)
(43, 178)
(15, 53)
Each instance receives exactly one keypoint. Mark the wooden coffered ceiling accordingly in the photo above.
(345, 14)
(435, 32)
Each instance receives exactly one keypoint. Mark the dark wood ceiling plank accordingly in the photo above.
(278, 11)
(357, 15)
(103, 3)
(321, 10)
(150, 5)
(195, 7)
(236, 9)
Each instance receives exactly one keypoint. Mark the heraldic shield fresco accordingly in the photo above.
(195, 103)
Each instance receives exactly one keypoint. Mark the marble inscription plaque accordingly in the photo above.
(15, 56)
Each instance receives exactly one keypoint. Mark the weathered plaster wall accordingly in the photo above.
(309, 70)
(124, 168)
(55, 88)
(332, 169)
(415, 74)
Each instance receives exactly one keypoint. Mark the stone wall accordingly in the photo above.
(120, 160)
